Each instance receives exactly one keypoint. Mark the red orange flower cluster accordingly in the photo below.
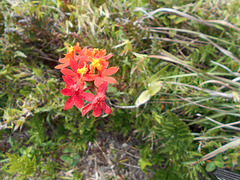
(86, 69)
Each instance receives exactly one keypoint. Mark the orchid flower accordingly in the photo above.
(98, 102)
(75, 93)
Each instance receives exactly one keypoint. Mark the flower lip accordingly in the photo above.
(96, 63)
(70, 50)
(74, 87)
(82, 70)
(100, 98)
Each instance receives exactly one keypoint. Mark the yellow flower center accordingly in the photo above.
(70, 50)
(96, 64)
(82, 71)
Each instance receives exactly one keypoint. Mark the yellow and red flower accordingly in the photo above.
(71, 54)
(84, 65)
(78, 72)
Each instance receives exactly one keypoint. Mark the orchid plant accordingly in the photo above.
(86, 69)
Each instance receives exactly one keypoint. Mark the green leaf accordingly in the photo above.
(41, 87)
(210, 166)
(77, 157)
(74, 162)
(172, 16)
(65, 157)
(66, 150)
(179, 20)
(38, 72)
(143, 98)
(219, 164)
(219, 27)
(143, 163)
(155, 87)
(157, 75)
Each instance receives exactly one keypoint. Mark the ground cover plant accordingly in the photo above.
(170, 107)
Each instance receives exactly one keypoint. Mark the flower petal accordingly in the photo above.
(64, 60)
(82, 63)
(97, 111)
(82, 58)
(110, 71)
(73, 65)
(68, 72)
(105, 65)
(107, 57)
(80, 83)
(69, 103)
(89, 77)
(110, 79)
(86, 109)
(106, 108)
(102, 52)
(80, 52)
(68, 80)
(103, 88)
(61, 66)
(88, 96)
(67, 92)
(79, 102)
(75, 78)
(98, 81)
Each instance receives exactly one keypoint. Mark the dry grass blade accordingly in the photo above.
(194, 103)
(62, 15)
(201, 35)
(187, 104)
(224, 51)
(226, 68)
(212, 154)
(221, 124)
(174, 41)
(218, 82)
(125, 164)
(169, 10)
(107, 159)
(230, 126)
(156, 29)
(224, 23)
(168, 57)
(213, 93)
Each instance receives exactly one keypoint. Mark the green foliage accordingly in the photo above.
(171, 146)
(72, 159)
(175, 136)
(21, 165)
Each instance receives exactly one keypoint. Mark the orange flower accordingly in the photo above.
(78, 72)
(86, 65)
(98, 59)
(71, 54)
